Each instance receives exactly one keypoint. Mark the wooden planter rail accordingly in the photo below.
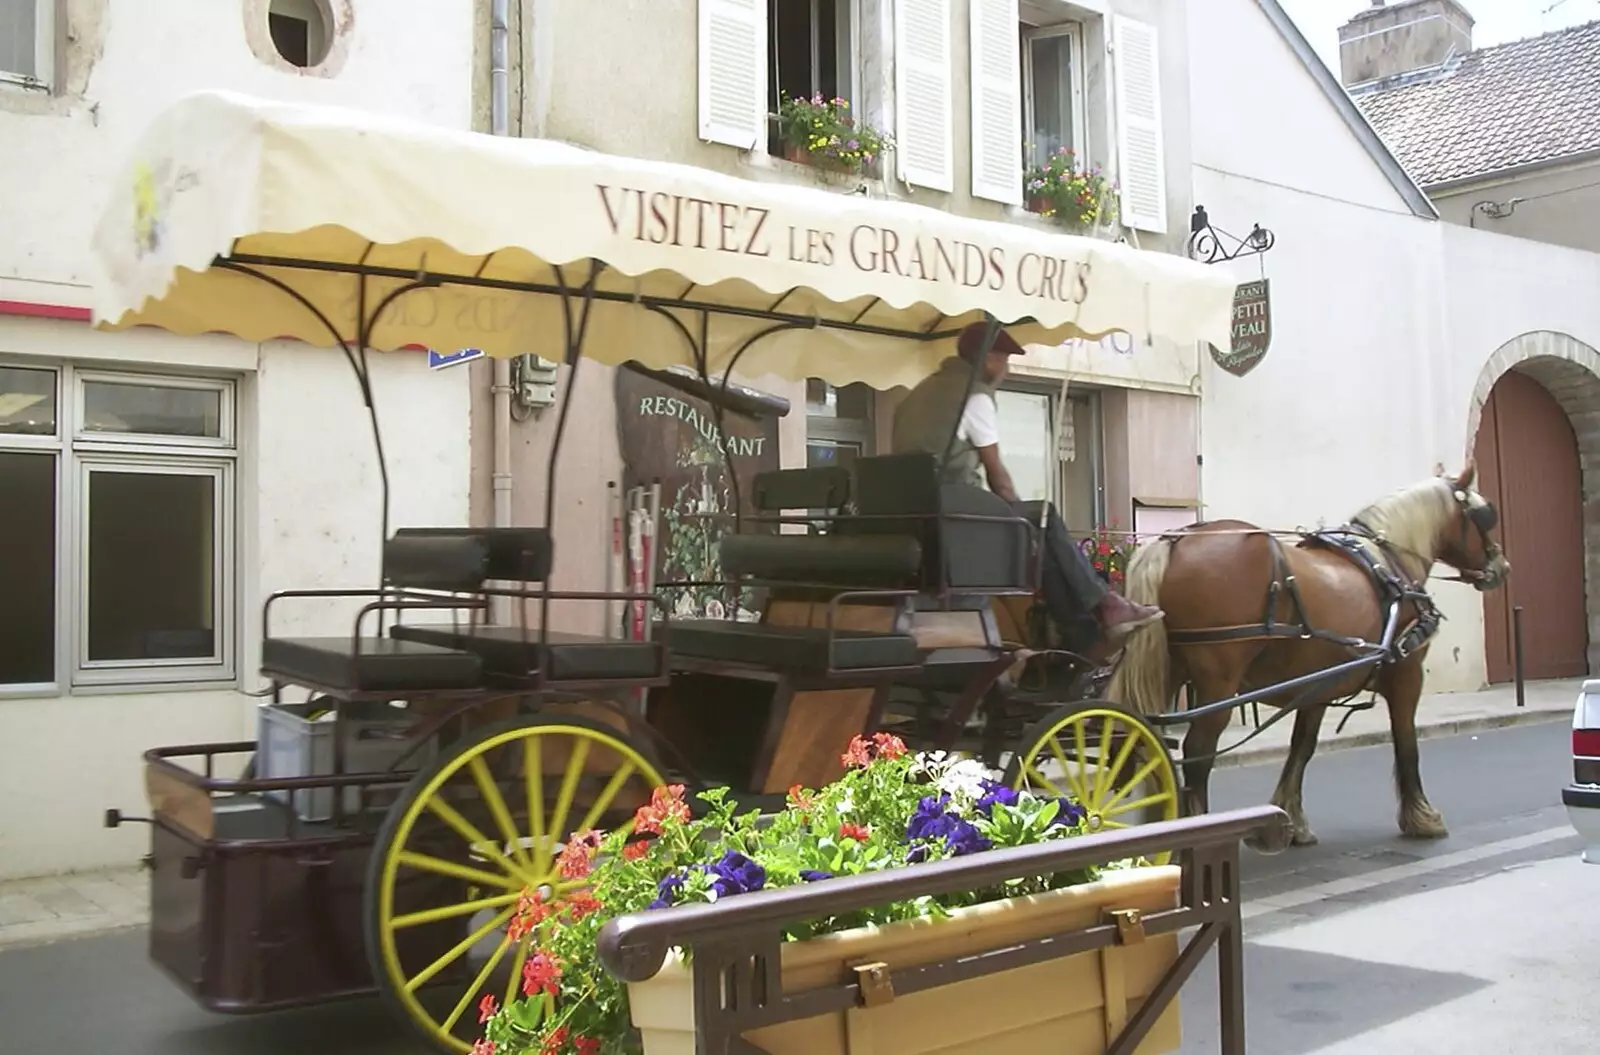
(736, 943)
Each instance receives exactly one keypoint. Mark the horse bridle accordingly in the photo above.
(1484, 518)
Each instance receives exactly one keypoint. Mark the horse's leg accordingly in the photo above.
(1215, 672)
(1401, 687)
(1302, 745)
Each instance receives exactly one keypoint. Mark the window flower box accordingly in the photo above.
(824, 134)
(1078, 198)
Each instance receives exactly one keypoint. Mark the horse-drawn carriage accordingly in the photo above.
(469, 736)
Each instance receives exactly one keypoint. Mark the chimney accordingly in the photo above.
(1390, 39)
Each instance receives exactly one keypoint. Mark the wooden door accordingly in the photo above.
(1527, 460)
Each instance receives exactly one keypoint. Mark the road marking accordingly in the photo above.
(1264, 906)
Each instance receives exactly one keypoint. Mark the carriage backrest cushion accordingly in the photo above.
(823, 487)
(511, 554)
(456, 562)
(960, 554)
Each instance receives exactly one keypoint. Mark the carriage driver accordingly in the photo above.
(1079, 602)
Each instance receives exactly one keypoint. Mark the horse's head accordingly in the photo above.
(1466, 542)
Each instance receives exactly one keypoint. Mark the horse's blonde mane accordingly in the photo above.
(1411, 518)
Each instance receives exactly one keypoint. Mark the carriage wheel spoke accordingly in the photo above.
(605, 798)
(479, 841)
(1078, 790)
(1128, 743)
(472, 990)
(439, 866)
(1034, 774)
(412, 984)
(466, 908)
(497, 809)
(1148, 800)
(533, 773)
(1138, 778)
(1080, 744)
(569, 786)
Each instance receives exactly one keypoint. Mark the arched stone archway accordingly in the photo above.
(1569, 370)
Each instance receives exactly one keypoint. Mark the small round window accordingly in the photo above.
(301, 30)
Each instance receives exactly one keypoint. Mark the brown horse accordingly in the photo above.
(1245, 612)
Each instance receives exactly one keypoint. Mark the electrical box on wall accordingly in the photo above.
(534, 381)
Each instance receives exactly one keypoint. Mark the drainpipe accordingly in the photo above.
(499, 124)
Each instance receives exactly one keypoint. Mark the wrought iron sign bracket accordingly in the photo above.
(1209, 244)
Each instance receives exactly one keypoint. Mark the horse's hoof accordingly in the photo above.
(1423, 824)
(1274, 843)
(1304, 837)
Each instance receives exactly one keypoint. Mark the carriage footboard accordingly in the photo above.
(746, 979)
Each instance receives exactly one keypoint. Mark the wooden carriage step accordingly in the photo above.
(516, 651)
(370, 664)
(800, 649)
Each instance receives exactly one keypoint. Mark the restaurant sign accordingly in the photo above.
(674, 438)
(1252, 329)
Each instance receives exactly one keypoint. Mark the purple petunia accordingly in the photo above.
(811, 875)
(993, 793)
(667, 890)
(1069, 813)
(736, 874)
(932, 820)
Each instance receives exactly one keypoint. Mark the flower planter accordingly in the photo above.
(1075, 1005)
(801, 156)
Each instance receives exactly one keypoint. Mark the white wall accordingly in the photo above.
(308, 484)
(1382, 321)
(127, 62)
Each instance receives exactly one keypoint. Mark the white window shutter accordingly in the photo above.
(1141, 153)
(996, 101)
(733, 72)
(923, 104)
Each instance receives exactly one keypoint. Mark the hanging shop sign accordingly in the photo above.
(1252, 329)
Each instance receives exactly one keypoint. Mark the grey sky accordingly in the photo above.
(1497, 21)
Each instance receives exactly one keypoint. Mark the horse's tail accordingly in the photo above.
(1142, 680)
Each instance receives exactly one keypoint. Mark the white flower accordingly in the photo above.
(965, 777)
(846, 803)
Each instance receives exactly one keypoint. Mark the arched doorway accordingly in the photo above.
(1529, 465)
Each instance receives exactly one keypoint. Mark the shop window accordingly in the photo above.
(808, 53)
(27, 42)
(1051, 447)
(839, 423)
(116, 551)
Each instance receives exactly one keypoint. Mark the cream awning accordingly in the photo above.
(317, 196)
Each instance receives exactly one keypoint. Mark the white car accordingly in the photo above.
(1582, 796)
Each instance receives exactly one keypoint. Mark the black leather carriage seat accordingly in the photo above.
(791, 649)
(447, 560)
(514, 651)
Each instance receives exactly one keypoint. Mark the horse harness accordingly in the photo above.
(1352, 542)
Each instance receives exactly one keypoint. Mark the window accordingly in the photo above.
(1051, 446)
(1052, 91)
(300, 30)
(116, 551)
(27, 42)
(809, 53)
(839, 423)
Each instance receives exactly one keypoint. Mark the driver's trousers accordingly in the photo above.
(1071, 587)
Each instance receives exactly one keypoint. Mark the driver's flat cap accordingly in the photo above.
(971, 342)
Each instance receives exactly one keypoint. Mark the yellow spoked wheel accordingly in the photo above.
(1108, 760)
(469, 838)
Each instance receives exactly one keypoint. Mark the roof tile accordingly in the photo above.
(1497, 108)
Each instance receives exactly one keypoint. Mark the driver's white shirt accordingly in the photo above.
(980, 421)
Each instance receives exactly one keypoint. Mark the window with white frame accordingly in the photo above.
(1052, 91)
(809, 54)
(750, 51)
(117, 548)
(27, 42)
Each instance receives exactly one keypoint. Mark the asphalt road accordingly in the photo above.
(1365, 943)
